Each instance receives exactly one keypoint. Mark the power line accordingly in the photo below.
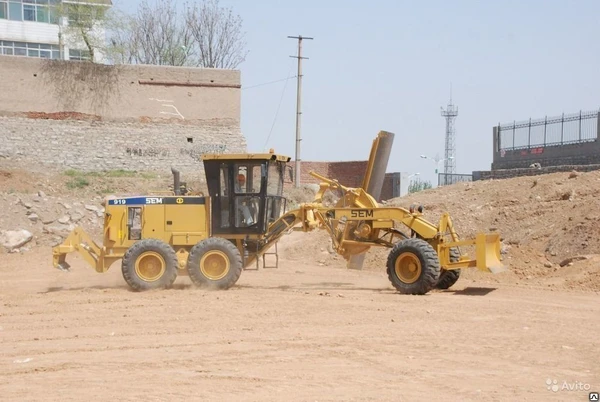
(278, 107)
(268, 83)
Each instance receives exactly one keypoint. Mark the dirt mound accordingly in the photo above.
(543, 221)
(549, 224)
(306, 193)
(50, 204)
(314, 248)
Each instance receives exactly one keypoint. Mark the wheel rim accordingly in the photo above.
(150, 266)
(408, 267)
(214, 265)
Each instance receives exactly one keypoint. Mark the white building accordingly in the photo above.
(30, 28)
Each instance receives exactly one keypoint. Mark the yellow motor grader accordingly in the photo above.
(213, 238)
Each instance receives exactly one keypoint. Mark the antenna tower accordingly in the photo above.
(449, 114)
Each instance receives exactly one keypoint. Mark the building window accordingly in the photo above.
(15, 11)
(39, 50)
(76, 54)
(28, 10)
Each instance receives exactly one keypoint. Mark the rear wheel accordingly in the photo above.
(449, 277)
(214, 263)
(149, 264)
(413, 266)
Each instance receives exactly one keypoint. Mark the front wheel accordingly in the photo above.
(214, 263)
(413, 266)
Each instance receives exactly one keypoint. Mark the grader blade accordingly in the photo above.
(488, 253)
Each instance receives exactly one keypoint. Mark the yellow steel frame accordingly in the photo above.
(356, 223)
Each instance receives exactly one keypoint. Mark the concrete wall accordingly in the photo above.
(392, 186)
(120, 93)
(509, 173)
(554, 155)
(572, 154)
(29, 31)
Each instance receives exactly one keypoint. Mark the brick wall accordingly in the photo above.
(120, 93)
(321, 168)
(348, 173)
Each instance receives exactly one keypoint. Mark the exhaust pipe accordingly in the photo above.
(176, 182)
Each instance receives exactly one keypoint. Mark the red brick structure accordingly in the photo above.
(348, 173)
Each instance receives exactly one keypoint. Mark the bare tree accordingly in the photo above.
(158, 36)
(121, 43)
(217, 33)
(205, 35)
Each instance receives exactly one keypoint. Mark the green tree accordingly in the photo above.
(419, 185)
(82, 26)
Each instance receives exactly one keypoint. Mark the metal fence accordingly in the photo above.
(560, 130)
(445, 179)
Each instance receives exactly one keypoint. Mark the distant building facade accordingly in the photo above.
(31, 28)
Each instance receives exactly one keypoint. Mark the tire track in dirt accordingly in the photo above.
(297, 333)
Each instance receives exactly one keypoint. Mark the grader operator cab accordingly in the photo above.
(246, 192)
(212, 239)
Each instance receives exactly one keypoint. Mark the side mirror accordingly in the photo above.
(291, 173)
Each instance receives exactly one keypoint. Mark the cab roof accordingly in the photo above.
(271, 156)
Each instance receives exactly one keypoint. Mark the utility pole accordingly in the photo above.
(298, 105)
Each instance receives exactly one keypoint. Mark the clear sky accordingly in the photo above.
(389, 65)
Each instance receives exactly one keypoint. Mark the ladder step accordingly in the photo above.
(276, 254)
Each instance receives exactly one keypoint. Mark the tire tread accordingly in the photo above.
(133, 252)
(215, 243)
(430, 266)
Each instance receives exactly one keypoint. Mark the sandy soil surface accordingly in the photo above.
(300, 332)
(310, 330)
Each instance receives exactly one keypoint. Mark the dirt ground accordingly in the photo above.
(310, 330)
(300, 332)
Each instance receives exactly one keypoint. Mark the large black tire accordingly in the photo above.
(149, 264)
(449, 278)
(413, 266)
(214, 263)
